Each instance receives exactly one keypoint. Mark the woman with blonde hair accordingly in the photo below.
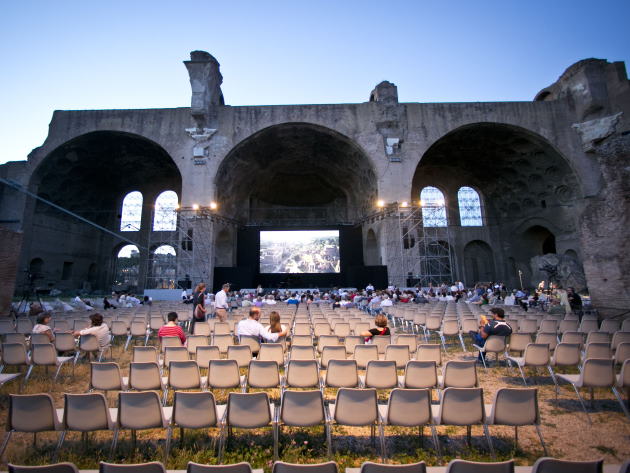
(275, 326)
(381, 328)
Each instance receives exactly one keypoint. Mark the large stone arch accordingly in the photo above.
(89, 176)
(318, 173)
(478, 262)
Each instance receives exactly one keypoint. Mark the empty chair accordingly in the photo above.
(597, 350)
(622, 353)
(409, 408)
(549, 338)
(341, 329)
(548, 326)
(301, 329)
(458, 374)
(552, 465)
(64, 467)
(137, 330)
(572, 337)
(322, 328)
(185, 375)
(106, 377)
(408, 339)
(6, 326)
(619, 337)
(23, 325)
(598, 337)
(31, 413)
(369, 467)
(301, 409)
(327, 340)
(194, 410)
(282, 467)
(150, 467)
(420, 375)
(202, 328)
(263, 375)
(450, 328)
(301, 340)
(253, 343)
(465, 466)
(494, 344)
(302, 352)
(224, 374)
(365, 353)
(357, 408)
(468, 325)
(330, 352)
(145, 377)
(172, 353)
(380, 374)
(242, 467)
(568, 326)
(352, 341)
(536, 355)
(588, 325)
(566, 355)
(145, 354)
(399, 354)
(341, 374)
(429, 352)
(360, 328)
(86, 413)
(246, 411)
(120, 329)
(140, 411)
(462, 407)
(302, 374)
(221, 328)
(272, 352)
(518, 342)
(205, 353)
(241, 353)
(194, 341)
(515, 407)
(381, 341)
(222, 341)
(623, 384)
(528, 326)
(433, 324)
(595, 373)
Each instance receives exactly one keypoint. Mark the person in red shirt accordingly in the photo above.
(171, 329)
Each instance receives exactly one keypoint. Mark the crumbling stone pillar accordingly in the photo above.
(9, 259)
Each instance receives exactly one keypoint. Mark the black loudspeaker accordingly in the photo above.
(241, 277)
(360, 276)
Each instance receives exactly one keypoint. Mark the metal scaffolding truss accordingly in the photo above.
(418, 246)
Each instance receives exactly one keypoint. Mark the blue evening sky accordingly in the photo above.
(89, 54)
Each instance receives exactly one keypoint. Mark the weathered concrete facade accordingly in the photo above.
(542, 179)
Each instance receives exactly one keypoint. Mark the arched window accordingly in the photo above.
(131, 214)
(469, 207)
(165, 217)
(163, 268)
(127, 266)
(433, 207)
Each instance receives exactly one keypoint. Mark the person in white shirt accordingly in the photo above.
(98, 328)
(221, 305)
(386, 302)
(252, 327)
(369, 287)
(269, 300)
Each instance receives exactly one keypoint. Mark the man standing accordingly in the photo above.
(221, 303)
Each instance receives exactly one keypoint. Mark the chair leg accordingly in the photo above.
(621, 402)
(381, 435)
(328, 440)
(167, 447)
(127, 343)
(28, 375)
(436, 440)
(5, 443)
(522, 374)
(582, 403)
(62, 437)
(461, 340)
(483, 360)
(57, 372)
(486, 431)
(552, 374)
(542, 442)
(276, 437)
(114, 443)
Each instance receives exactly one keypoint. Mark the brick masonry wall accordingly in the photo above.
(10, 244)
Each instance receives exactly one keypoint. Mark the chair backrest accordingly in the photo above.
(64, 467)
(460, 374)
(462, 406)
(241, 353)
(282, 467)
(598, 372)
(221, 328)
(302, 408)
(105, 376)
(597, 350)
(342, 373)
(14, 354)
(271, 352)
(494, 344)
(14, 337)
(86, 412)
(194, 410)
(421, 374)
(552, 465)
(360, 328)
(381, 374)
(352, 341)
(464, 466)
(407, 339)
(588, 325)
(248, 410)
(409, 407)
(223, 341)
(332, 352)
(356, 407)
(624, 376)
(518, 341)
(327, 340)
(365, 353)
(321, 328)
(250, 341)
(400, 354)
(512, 406)
(89, 343)
(175, 353)
(139, 410)
(301, 340)
(151, 467)
(619, 337)
(429, 352)
(537, 354)
(302, 352)
(144, 376)
(598, 337)
(548, 338)
(263, 374)
(549, 326)
(622, 353)
(369, 467)
(302, 374)
(119, 327)
(566, 354)
(527, 326)
(145, 354)
(450, 327)
(202, 328)
(43, 354)
(205, 353)
(32, 413)
(170, 342)
(223, 374)
(194, 341)
(342, 329)
(23, 325)
(184, 375)
(36, 338)
(242, 467)
(381, 341)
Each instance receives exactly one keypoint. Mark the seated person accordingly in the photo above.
(42, 326)
(496, 326)
(252, 327)
(171, 329)
(98, 328)
(381, 328)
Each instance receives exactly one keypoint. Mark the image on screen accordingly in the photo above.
(299, 251)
